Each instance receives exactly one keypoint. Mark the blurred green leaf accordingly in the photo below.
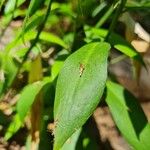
(63, 8)
(56, 68)
(105, 17)
(79, 88)
(86, 7)
(9, 68)
(44, 36)
(58, 64)
(13, 127)
(135, 5)
(2, 73)
(115, 40)
(49, 37)
(99, 8)
(10, 5)
(33, 7)
(28, 96)
(20, 53)
(129, 116)
(34, 21)
(1, 3)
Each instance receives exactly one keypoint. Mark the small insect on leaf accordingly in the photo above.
(51, 127)
(82, 68)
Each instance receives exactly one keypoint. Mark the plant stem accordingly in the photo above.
(39, 31)
(115, 18)
(106, 15)
(36, 38)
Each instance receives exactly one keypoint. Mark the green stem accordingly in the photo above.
(41, 27)
(106, 15)
(35, 40)
(115, 18)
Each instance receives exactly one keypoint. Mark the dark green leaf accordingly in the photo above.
(129, 116)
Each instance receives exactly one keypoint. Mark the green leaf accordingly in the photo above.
(49, 37)
(10, 5)
(28, 96)
(71, 143)
(34, 21)
(79, 89)
(8, 69)
(58, 64)
(129, 116)
(64, 8)
(115, 40)
(56, 68)
(33, 7)
(1, 3)
(136, 5)
(99, 8)
(13, 127)
(25, 101)
(122, 45)
(30, 35)
(86, 7)
(11, 69)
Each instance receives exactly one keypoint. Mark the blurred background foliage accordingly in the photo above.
(36, 36)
